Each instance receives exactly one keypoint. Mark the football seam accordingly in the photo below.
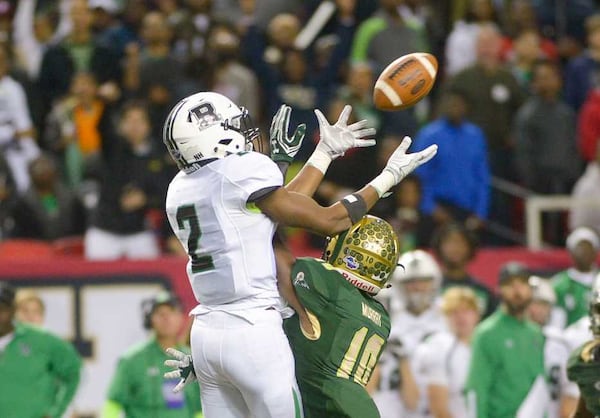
(428, 65)
(389, 92)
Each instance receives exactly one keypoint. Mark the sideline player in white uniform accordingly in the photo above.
(562, 393)
(415, 316)
(224, 206)
(444, 358)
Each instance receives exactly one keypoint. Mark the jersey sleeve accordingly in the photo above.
(309, 277)
(254, 172)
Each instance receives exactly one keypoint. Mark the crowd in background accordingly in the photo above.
(85, 87)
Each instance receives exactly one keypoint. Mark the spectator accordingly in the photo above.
(588, 125)
(572, 286)
(563, 394)
(154, 73)
(414, 316)
(381, 39)
(506, 372)
(228, 75)
(587, 187)
(455, 246)
(444, 357)
(461, 44)
(76, 128)
(78, 52)
(35, 29)
(545, 133)
(526, 51)
(582, 72)
(493, 97)
(7, 199)
(40, 372)
(386, 36)
(108, 28)
(138, 389)
(412, 226)
(134, 179)
(455, 189)
(48, 210)
(17, 142)
(191, 32)
(30, 308)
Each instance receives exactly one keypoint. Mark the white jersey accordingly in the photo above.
(556, 355)
(231, 265)
(408, 331)
(443, 360)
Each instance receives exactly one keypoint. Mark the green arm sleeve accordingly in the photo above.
(112, 409)
(66, 366)
(366, 31)
(479, 378)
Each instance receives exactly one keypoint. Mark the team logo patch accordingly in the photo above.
(204, 115)
(152, 371)
(25, 349)
(299, 280)
(351, 262)
(509, 343)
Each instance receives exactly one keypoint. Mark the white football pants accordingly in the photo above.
(244, 365)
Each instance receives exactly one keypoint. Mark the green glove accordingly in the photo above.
(284, 148)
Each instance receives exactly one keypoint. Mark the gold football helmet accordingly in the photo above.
(366, 254)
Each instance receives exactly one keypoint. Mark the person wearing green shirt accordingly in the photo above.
(572, 286)
(335, 359)
(506, 373)
(584, 364)
(138, 389)
(39, 372)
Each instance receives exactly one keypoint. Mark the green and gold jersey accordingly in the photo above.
(350, 330)
(584, 369)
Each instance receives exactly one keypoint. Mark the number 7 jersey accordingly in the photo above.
(228, 240)
(334, 365)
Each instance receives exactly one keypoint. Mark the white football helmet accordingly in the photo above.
(415, 266)
(205, 126)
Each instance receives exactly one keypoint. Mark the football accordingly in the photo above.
(405, 81)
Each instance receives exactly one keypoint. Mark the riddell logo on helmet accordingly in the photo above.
(359, 283)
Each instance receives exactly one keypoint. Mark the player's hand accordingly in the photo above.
(400, 164)
(184, 368)
(339, 138)
(283, 147)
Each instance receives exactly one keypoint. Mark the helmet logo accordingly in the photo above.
(204, 115)
(351, 262)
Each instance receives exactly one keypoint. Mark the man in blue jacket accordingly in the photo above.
(456, 186)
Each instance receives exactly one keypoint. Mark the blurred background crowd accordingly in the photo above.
(85, 87)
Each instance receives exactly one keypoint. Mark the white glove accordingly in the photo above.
(400, 164)
(339, 138)
(184, 368)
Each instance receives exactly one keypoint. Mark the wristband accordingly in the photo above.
(356, 206)
(319, 160)
(383, 182)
